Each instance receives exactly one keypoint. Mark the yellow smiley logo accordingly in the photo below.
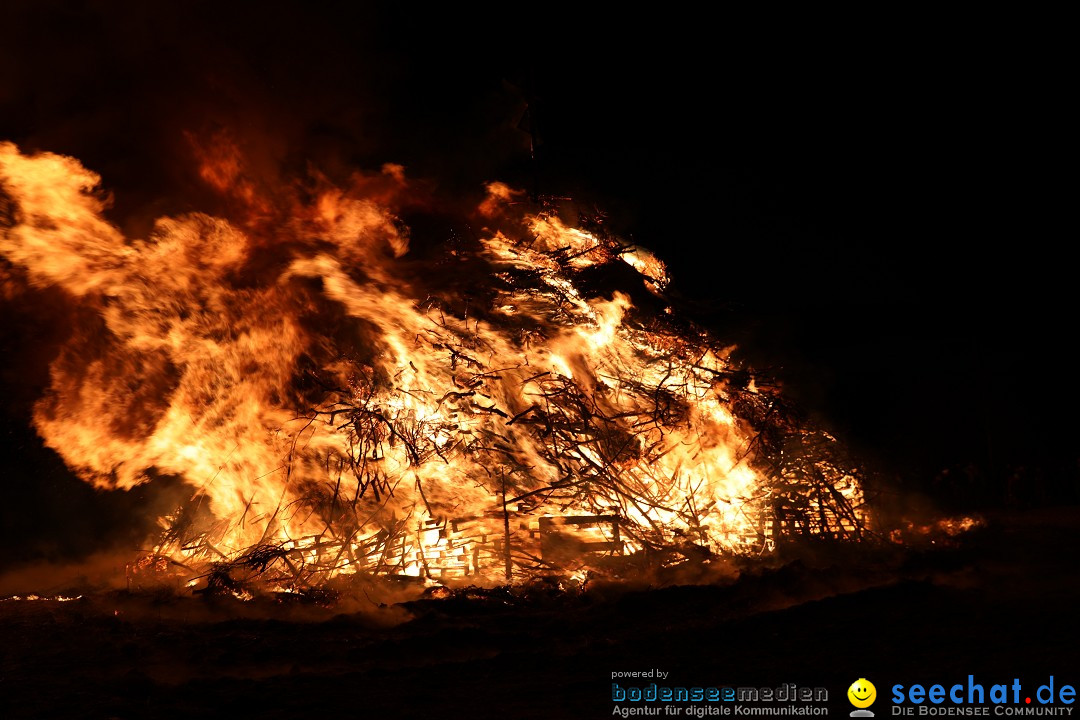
(862, 693)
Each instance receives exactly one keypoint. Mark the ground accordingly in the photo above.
(1000, 606)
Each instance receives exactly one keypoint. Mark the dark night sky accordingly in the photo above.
(873, 215)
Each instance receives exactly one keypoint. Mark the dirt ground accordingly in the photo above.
(1001, 606)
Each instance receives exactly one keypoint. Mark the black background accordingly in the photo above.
(870, 206)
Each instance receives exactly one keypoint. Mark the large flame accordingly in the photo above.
(339, 407)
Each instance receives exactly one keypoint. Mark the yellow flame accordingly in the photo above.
(329, 373)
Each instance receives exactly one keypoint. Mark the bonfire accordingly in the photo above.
(504, 398)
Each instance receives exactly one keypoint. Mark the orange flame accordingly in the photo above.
(333, 410)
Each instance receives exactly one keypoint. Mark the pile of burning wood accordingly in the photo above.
(616, 506)
(347, 396)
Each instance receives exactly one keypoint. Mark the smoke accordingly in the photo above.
(99, 572)
(122, 86)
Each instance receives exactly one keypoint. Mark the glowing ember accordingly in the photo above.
(940, 529)
(40, 598)
(339, 406)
